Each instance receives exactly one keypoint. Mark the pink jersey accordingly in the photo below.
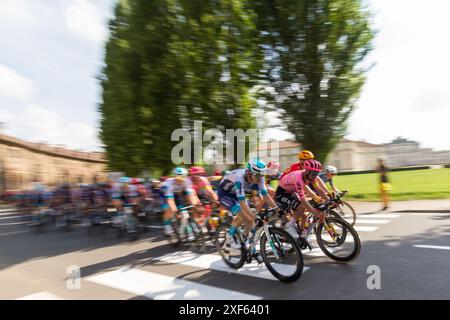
(293, 183)
(201, 186)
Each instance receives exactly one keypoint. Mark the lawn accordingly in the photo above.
(407, 185)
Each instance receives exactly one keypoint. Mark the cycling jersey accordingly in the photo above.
(202, 187)
(294, 167)
(293, 183)
(235, 183)
(170, 187)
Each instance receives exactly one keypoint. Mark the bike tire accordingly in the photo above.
(275, 233)
(352, 214)
(223, 229)
(349, 229)
(198, 244)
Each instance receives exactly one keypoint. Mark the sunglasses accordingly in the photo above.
(312, 174)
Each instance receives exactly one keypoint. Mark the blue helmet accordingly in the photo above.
(180, 172)
(256, 166)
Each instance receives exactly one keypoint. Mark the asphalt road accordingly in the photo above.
(411, 251)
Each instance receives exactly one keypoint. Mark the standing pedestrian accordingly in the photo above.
(385, 186)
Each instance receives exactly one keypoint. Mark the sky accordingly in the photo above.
(52, 51)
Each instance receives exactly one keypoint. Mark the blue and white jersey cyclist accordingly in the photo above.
(231, 192)
(176, 192)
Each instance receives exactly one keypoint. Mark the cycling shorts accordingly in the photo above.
(229, 201)
(286, 199)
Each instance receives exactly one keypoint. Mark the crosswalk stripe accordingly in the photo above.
(365, 228)
(10, 217)
(378, 215)
(371, 221)
(215, 262)
(162, 287)
(40, 296)
(432, 247)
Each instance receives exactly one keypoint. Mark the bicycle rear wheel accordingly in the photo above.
(341, 242)
(234, 259)
(282, 255)
(198, 242)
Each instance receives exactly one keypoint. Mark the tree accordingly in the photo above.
(314, 50)
(167, 63)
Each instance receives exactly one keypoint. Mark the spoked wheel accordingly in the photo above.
(132, 228)
(174, 239)
(346, 212)
(197, 241)
(338, 240)
(278, 222)
(232, 257)
(282, 255)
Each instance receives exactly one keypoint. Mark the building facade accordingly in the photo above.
(352, 155)
(22, 163)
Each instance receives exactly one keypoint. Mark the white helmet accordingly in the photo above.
(331, 169)
(256, 166)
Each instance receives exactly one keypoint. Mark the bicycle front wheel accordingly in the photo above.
(347, 212)
(281, 255)
(338, 240)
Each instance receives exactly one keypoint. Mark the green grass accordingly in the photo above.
(407, 185)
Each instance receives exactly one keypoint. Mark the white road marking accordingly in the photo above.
(377, 215)
(215, 262)
(371, 221)
(10, 217)
(432, 247)
(162, 287)
(365, 228)
(41, 296)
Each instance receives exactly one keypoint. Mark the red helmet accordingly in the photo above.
(272, 168)
(217, 172)
(196, 171)
(312, 165)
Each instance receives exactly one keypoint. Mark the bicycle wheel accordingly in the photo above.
(278, 222)
(346, 245)
(212, 223)
(198, 242)
(175, 238)
(347, 212)
(282, 255)
(233, 258)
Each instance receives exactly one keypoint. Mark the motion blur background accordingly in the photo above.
(89, 87)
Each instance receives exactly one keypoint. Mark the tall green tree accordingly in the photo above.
(170, 62)
(314, 52)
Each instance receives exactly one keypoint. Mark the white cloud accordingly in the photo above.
(15, 85)
(14, 12)
(37, 124)
(86, 21)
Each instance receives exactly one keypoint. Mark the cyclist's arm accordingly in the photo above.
(312, 194)
(321, 188)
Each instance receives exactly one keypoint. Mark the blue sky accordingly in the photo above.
(52, 51)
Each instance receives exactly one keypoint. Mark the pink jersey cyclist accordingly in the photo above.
(293, 183)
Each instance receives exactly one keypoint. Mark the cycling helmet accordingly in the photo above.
(331, 169)
(196, 171)
(180, 172)
(217, 172)
(256, 166)
(305, 155)
(272, 168)
(312, 165)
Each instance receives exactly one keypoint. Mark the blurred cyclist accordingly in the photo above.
(291, 193)
(232, 191)
(175, 192)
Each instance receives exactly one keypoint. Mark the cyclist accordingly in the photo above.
(327, 177)
(232, 191)
(173, 191)
(302, 157)
(291, 193)
(201, 185)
